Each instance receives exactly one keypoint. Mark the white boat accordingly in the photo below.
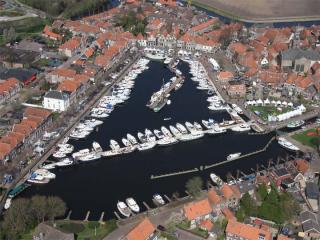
(287, 145)
(167, 60)
(81, 153)
(191, 136)
(66, 148)
(190, 127)
(149, 135)
(114, 145)
(93, 122)
(197, 126)
(132, 204)
(216, 179)
(158, 134)
(89, 157)
(166, 141)
(124, 209)
(126, 142)
(181, 128)
(208, 124)
(216, 130)
(158, 199)
(38, 179)
(175, 131)
(96, 147)
(233, 156)
(64, 162)
(59, 154)
(132, 139)
(49, 166)
(8, 203)
(237, 108)
(142, 137)
(146, 146)
(166, 132)
(45, 173)
(241, 128)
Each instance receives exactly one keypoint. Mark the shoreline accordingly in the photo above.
(231, 16)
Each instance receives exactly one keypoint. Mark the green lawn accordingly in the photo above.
(264, 111)
(311, 140)
(197, 231)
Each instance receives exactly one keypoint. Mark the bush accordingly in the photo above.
(72, 227)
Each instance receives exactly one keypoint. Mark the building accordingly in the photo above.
(312, 195)
(143, 231)
(309, 222)
(25, 76)
(70, 47)
(56, 101)
(17, 58)
(236, 89)
(8, 89)
(299, 60)
(240, 231)
(231, 195)
(196, 212)
(47, 232)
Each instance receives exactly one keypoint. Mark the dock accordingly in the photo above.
(174, 173)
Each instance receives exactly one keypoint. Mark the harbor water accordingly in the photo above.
(97, 186)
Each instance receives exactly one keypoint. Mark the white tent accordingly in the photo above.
(259, 102)
(278, 102)
(284, 103)
(290, 104)
(267, 101)
(273, 102)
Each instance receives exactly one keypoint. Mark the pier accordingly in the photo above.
(174, 173)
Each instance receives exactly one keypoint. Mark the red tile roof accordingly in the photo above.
(204, 25)
(213, 196)
(238, 48)
(22, 128)
(247, 231)
(36, 112)
(142, 231)
(206, 224)
(227, 191)
(302, 165)
(71, 44)
(197, 209)
(283, 237)
(228, 214)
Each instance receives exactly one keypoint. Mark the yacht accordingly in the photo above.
(226, 123)
(7, 203)
(89, 157)
(126, 142)
(287, 145)
(45, 173)
(190, 127)
(93, 122)
(96, 147)
(237, 108)
(166, 141)
(149, 135)
(142, 137)
(233, 156)
(175, 131)
(241, 128)
(59, 154)
(295, 124)
(66, 148)
(34, 178)
(64, 162)
(158, 134)
(216, 130)
(158, 199)
(191, 136)
(49, 166)
(146, 146)
(166, 132)
(208, 124)
(216, 179)
(114, 145)
(79, 134)
(124, 209)
(181, 128)
(132, 204)
(81, 153)
(197, 126)
(132, 139)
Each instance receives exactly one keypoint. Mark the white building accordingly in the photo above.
(56, 101)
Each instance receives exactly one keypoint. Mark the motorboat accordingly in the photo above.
(149, 135)
(64, 162)
(7, 203)
(241, 128)
(45, 173)
(124, 209)
(190, 127)
(158, 134)
(84, 127)
(66, 148)
(167, 60)
(146, 146)
(96, 147)
(181, 128)
(59, 154)
(237, 108)
(158, 199)
(49, 166)
(175, 131)
(89, 157)
(114, 145)
(132, 139)
(132, 204)
(166, 141)
(166, 132)
(191, 136)
(287, 145)
(81, 153)
(216, 179)
(38, 179)
(142, 137)
(197, 126)
(126, 142)
(295, 124)
(79, 134)
(226, 123)
(208, 124)
(216, 130)
(233, 156)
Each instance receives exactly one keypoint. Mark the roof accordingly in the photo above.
(227, 191)
(206, 224)
(63, 72)
(307, 215)
(197, 209)
(238, 47)
(6, 86)
(311, 226)
(204, 25)
(312, 190)
(142, 231)
(68, 86)
(213, 196)
(18, 73)
(36, 112)
(14, 55)
(228, 214)
(51, 233)
(57, 95)
(297, 53)
(225, 75)
(302, 165)
(71, 44)
(247, 231)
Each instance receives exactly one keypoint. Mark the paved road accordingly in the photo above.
(183, 235)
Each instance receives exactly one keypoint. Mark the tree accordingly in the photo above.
(39, 207)
(56, 207)
(11, 36)
(248, 205)
(194, 186)
(262, 191)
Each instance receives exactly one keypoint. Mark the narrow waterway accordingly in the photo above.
(97, 186)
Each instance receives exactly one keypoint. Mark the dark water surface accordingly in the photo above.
(97, 186)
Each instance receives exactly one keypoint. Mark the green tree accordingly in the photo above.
(194, 186)
(39, 208)
(56, 207)
(262, 191)
(248, 205)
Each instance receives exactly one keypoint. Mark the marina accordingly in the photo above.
(138, 166)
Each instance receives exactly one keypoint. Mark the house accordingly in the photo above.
(70, 47)
(236, 89)
(312, 195)
(25, 76)
(60, 74)
(8, 89)
(279, 175)
(17, 58)
(47, 32)
(204, 27)
(197, 212)
(46, 232)
(225, 76)
(217, 202)
(283, 237)
(231, 195)
(309, 222)
(56, 101)
(143, 231)
(240, 231)
(299, 60)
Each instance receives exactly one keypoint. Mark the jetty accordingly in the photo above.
(174, 173)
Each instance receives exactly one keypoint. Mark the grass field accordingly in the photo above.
(264, 111)
(309, 138)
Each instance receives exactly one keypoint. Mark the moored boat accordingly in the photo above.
(132, 204)
(123, 209)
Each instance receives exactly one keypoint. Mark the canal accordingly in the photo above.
(97, 186)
